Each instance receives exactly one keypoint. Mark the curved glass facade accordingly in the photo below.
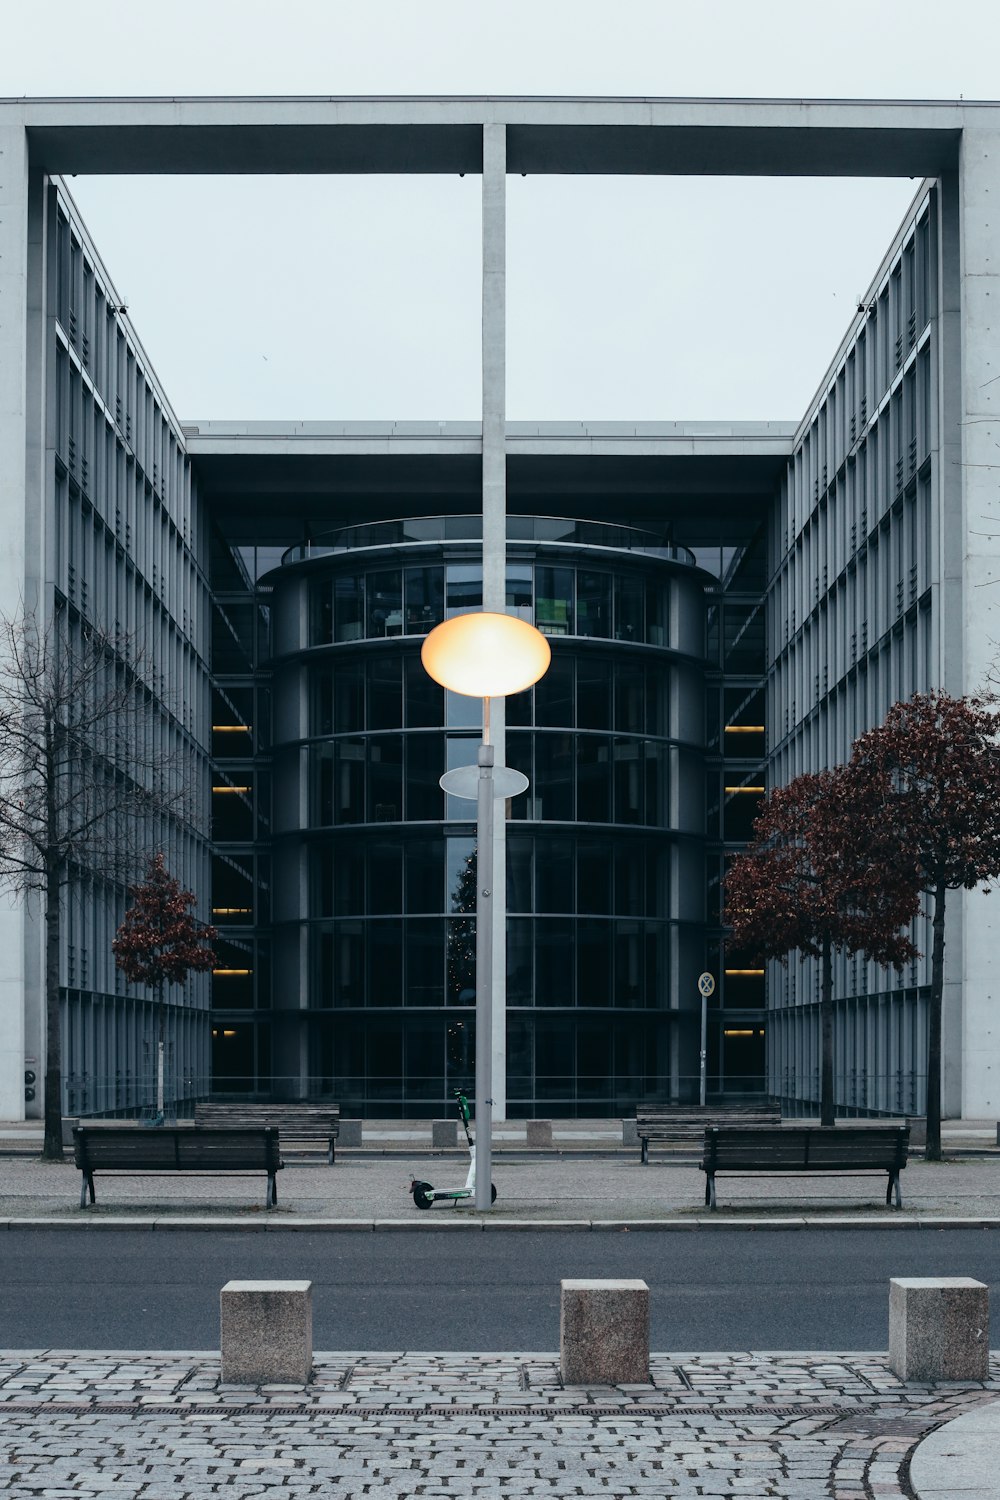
(375, 865)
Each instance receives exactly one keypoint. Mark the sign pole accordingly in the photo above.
(706, 987)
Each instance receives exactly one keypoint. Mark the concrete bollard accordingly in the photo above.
(630, 1132)
(539, 1132)
(350, 1133)
(604, 1332)
(444, 1132)
(939, 1328)
(266, 1332)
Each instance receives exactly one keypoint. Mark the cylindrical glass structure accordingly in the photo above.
(375, 866)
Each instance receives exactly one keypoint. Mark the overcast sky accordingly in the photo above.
(340, 298)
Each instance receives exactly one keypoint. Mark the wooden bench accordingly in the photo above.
(681, 1123)
(300, 1124)
(804, 1149)
(141, 1149)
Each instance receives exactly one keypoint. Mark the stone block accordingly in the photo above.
(604, 1332)
(350, 1133)
(939, 1328)
(630, 1132)
(918, 1132)
(539, 1132)
(266, 1332)
(444, 1132)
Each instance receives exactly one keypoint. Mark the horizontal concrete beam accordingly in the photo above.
(620, 136)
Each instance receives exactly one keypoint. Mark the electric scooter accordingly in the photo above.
(424, 1195)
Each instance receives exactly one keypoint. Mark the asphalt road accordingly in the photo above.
(711, 1290)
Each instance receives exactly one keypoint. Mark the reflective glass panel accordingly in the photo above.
(629, 598)
(554, 601)
(385, 778)
(519, 591)
(385, 692)
(385, 878)
(593, 604)
(553, 786)
(348, 608)
(385, 963)
(593, 692)
(424, 766)
(424, 875)
(554, 694)
(424, 697)
(593, 779)
(460, 876)
(464, 588)
(424, 962)
(385, 603)
(424, 599)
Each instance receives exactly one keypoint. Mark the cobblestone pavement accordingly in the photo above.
(798, 1427)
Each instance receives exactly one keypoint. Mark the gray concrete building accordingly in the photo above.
(729, 604)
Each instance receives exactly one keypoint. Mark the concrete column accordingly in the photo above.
(14, 303)
(972, 1031)
(494, 353)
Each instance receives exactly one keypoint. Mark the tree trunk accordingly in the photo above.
(160, 1048)
(933, 1149)
(826, 1116)
(52, 1145)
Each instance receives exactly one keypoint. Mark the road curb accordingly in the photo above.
(454, 1224)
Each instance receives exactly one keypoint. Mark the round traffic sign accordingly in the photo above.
(706, 984)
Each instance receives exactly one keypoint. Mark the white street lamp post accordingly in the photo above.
(485, 655)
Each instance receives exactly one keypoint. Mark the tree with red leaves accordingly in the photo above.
(813, 880)
(159, 942)
(930, 777)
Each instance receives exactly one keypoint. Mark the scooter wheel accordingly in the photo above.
(493, 1192)
(423, 1194)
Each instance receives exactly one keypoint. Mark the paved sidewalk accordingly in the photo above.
(797, 1427)
(373, 1190)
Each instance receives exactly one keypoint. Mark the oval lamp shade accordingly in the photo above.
(484, 655)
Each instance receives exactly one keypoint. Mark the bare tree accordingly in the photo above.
(88, 779)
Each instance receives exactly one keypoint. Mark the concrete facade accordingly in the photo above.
(889, 476)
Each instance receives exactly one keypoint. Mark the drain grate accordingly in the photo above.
(562, 1409)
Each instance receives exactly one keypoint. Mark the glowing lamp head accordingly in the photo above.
(483, 655)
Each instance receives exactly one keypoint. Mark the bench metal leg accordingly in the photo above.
(272, 1190)
(893, 1185)
(709, 1189)
(86, 1181)
(331, 1154)
(644, 1154)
